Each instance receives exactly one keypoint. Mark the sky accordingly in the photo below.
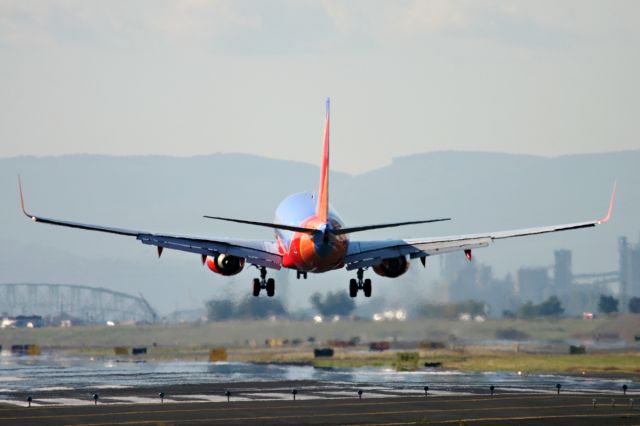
(193, 77)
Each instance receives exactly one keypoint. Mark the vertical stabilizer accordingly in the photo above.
(322, 209)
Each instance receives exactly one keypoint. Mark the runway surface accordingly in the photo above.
(467, 410)
(62, 390)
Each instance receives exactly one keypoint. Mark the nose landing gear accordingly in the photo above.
(360, 284)
(264, 283)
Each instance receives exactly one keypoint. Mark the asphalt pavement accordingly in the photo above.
(508, 409)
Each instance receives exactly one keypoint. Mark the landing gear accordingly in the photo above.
(366, 288)
(264, 283)
(360, 284)
(256, 287)
(353, 287)
(271, 287)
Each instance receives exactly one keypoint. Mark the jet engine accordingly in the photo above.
(392, 267)
(225, 264)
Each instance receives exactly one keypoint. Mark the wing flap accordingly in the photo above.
(413, 248)
(259, 253)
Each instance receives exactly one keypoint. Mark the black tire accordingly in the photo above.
(366, 288)
(256, 287)
(271, 287)
(353, 287)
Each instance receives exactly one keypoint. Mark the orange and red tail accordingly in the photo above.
(322, 209)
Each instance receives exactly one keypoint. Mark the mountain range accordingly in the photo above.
(479, 191)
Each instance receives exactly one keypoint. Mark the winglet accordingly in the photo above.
(608, 216)
(22, 200)
(322, 209)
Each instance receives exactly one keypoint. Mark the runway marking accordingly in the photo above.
(370, 401)
(64, 401)
(369, 413)
(141, 400)
(19, 403)
(210, 398)
(311, 394)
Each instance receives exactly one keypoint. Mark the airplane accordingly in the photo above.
(311, 237)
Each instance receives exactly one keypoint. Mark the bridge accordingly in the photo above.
(75, 302)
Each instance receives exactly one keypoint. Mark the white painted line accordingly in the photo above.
(213, 398)
(109, 387)
(51, 388)
(65, 401)
(18, 403)
(141, 400)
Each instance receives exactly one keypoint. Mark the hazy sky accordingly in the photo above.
(198, 77)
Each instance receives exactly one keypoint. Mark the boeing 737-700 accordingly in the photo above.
(310, 236)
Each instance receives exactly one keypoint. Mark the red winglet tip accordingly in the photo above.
(22, 198)
(610, 211)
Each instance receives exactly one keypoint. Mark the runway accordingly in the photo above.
(468, 410)
(62, 390)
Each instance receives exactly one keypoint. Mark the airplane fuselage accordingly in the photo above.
(309, 252)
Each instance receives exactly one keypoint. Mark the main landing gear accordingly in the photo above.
(264, 283)
(360, 284)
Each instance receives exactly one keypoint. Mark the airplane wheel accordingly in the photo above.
(353, 287)
(256, 287)
(367, 288)
(271, 287)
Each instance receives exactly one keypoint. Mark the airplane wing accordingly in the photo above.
(364, 254)
(256, 252)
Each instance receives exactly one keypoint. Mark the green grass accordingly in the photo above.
(619, 363)
(245, 342)
(238, 333)
(588, 363)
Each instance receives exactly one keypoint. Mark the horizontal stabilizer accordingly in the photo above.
(383, 225)
(266, 224)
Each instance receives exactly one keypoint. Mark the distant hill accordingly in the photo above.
(480, 191)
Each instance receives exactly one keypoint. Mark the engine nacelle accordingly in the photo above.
(392, 267)
(225, 264)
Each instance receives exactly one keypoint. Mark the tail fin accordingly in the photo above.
(322, 209)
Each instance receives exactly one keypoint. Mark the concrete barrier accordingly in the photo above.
(577, 350)
(274, 343)
(30, 350)
(218, 354)
(121, 350)
(138, 351)
(323, 353)
(379, 346)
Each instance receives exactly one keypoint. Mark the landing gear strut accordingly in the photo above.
(264, 283)
(360, 284)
